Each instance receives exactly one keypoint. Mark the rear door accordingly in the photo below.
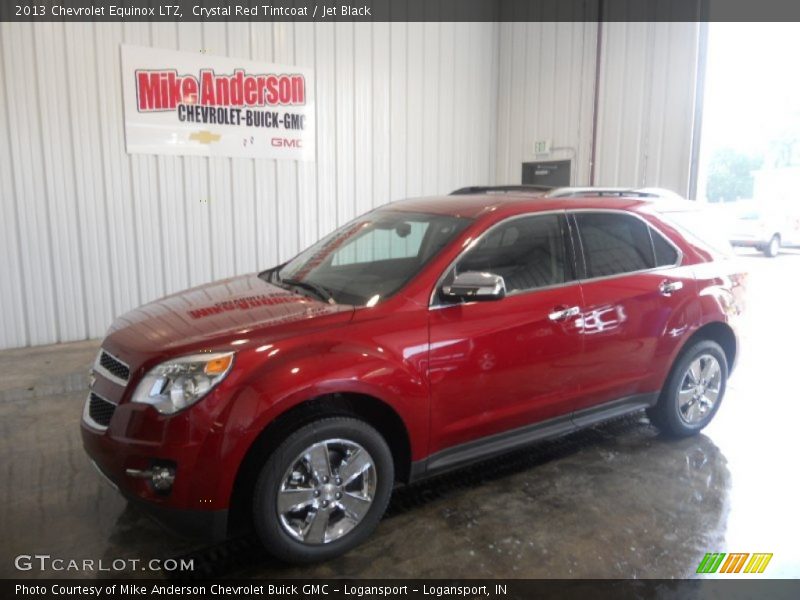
(633, 293)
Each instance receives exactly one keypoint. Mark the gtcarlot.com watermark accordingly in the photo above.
(46, 562)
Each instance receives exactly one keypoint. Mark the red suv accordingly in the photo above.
(424, 335)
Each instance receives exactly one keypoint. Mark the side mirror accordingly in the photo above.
(475, 286)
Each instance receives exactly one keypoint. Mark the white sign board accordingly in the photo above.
(193, 103)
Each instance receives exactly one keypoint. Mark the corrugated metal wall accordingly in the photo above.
(89, 232)
(648, 81)
(648, 74)
(546, 92)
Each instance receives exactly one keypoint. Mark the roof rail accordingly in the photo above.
(576, 192)
(662, 193)
(501, 189)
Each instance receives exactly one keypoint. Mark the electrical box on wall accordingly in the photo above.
(555, 173)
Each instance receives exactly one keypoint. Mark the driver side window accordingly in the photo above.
(528, 252)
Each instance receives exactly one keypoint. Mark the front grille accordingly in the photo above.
(114, 366)
(100, 409)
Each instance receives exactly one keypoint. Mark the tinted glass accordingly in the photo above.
(382, 244)
(527, 252)
(666, 254)
(614, 243)
(372, 257)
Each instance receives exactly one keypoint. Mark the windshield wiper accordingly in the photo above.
(273, 276)
(318, 290)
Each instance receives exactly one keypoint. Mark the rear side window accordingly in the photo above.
(701, 226)
(666, 254)
(614, 243)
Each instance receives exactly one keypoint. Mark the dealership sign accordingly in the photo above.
(193, 103)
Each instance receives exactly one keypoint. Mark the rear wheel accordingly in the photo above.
(773, 247)
(323, 490)
(693, 392)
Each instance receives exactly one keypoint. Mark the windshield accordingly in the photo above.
(369, 259)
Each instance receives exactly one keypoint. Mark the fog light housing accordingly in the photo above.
(161, 477)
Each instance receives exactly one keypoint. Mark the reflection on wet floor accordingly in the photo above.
(617, 500)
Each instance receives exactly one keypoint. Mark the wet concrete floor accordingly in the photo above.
(615, 501)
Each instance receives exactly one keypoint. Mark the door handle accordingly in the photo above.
(668, 287)
(559, 314)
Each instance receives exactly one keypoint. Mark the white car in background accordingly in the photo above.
(766, 227)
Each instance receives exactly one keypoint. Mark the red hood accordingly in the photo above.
(214, 315)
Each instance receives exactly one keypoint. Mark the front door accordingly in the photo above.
(503, 364)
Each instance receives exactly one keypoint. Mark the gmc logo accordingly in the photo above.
(286, 143)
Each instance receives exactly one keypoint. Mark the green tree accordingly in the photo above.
(730, 175)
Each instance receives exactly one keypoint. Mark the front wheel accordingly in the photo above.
(693, 392)
(323, 490)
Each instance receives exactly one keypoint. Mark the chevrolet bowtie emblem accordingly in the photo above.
(204, 137)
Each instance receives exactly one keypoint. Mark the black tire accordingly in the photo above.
(667, 414)
(275, 538)
(772, 247)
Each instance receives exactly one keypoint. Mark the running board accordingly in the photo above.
(502, 443)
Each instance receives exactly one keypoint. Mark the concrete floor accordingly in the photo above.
(614, 501)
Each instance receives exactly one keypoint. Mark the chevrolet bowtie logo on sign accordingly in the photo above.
(204, 137)
(716, 562)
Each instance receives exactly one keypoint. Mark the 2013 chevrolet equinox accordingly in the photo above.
(419, 337)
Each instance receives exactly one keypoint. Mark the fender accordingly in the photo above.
(684, 320)
(287, 379)
(713, 302)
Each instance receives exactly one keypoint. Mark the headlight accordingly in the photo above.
(176, 384)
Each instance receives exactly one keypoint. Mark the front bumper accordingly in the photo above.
(138, 438)
(205, 524)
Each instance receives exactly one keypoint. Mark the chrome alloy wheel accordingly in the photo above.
(327, 491)
(700, 389)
